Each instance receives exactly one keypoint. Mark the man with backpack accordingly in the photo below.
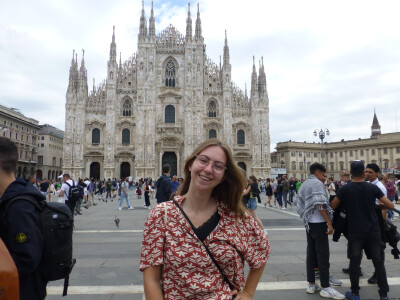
(68, 191)
(19, 227)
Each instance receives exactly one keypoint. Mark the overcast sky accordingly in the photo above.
(328, 63)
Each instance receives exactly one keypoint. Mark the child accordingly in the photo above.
(139, 193)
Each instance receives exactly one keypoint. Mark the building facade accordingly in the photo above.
(23, 131)
(50, 152)
(159, 105)
(382, 149)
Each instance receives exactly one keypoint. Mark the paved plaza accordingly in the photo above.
(108, 258)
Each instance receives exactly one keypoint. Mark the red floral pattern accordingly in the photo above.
(188, 271)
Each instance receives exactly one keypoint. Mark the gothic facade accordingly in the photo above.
(160, 104)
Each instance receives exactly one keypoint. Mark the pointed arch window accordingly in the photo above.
(126, 136)
(212, 109)
(127, 108)
(240, 137)
(170, 74)
(212, 134)
(96, 136)
(169, 114)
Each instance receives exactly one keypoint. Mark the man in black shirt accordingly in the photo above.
(363, 227)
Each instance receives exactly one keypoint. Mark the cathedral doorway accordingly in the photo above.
(242, 165)
(95, 170)
(125, 170)
(39, 174)
(170, 158)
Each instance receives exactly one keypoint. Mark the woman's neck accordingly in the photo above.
(199, 201)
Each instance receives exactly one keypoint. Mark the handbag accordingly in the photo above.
(9, 283)
(208, 250)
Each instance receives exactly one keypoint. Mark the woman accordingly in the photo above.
(268, 192)
(146, 195)
(51, 190)
(174, 261)
(253, 190)
(278, 192)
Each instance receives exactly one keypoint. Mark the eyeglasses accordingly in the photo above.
(203, 161)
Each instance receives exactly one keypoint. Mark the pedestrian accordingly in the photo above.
(285, 191)
(363, 228)
(292, 189)
(174, 259)
(139, 192)
(174, 184)
(331, 189)
(391, 193)
(253, 190)
(124, 194)
(278, 193)
(147, 188)
(108, 189)
(20, 229)
(268, 192)
(65, 188)
(163, 185)
(314, 209)
(51, 190)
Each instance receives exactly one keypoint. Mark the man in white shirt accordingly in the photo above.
(85, 193)
(65, 192)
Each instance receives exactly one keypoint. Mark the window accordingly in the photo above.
(126, 136)
(373, 151)
(42, 138)
(41, 145)
(308, 154)
(300, 153)
(170, 74)
(54, 162)
(315, 154)
(240, 137)
(340, 154)
(300, 165)
(282, 154)
(127, 108)
(96, 136)
(332, 166)
(397, 150)
(212, 134)
(386, 164)
(361, 152)
(384, 150)
(351, 153)
(341, 166)
(293, 165)
(212, 109)
(331, 155)
(169, 114)
(293, 154)
(40, 160)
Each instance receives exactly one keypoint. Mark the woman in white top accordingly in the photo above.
(51, 190)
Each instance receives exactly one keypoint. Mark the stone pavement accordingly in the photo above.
(108, 258)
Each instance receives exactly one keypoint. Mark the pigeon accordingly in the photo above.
(116, 220)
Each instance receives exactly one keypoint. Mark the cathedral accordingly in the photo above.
(159, 105)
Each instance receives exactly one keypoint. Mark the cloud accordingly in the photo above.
(328, 64)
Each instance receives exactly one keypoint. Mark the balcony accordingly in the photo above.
(169, 128)
(241, 147)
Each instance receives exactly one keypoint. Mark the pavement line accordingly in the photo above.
(140, 231)
(138, 289)
(281, 210)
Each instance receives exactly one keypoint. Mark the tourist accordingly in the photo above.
(253, 191)
(124, 194)
(173, 256)
(146, 189)
(268, 192)
(51, 190)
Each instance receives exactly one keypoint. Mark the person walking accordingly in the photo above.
(163, 185)
(253, 190)
(124, 194)
(51, 190)
(206, 220)
(147, 190)
(268, 192)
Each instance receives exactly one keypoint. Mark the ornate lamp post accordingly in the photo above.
(321, 134)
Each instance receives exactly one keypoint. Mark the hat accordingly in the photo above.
(357, 167)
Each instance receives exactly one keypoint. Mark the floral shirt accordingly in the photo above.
(187, 270)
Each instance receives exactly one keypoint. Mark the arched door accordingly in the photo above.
(125, 170)
(242, 165)
(170, 158)
(95, 170)
(39, 174)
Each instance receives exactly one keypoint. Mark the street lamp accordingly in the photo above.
(321, 134)
(304, 166)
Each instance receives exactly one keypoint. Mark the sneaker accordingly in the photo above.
(331, 293)
(333, 281)
(384, 298)
(130, 207)
(284, 207)
(351, 296)
(373, 279)
(149, 207)
(347, 271)
(119, 208)
(312, 288)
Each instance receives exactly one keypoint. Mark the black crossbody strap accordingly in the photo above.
(205, 246)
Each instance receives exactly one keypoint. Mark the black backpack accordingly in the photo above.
(56, 226)
(75, 191)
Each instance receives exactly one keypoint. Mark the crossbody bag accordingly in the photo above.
(205, 246)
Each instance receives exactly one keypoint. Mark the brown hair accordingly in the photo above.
(230, 190)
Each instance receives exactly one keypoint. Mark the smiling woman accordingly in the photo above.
(203, 234)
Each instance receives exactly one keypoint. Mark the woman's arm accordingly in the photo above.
(152, 284)
(251, 284)
(247, 190)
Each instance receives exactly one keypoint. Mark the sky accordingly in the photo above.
(328, 64)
